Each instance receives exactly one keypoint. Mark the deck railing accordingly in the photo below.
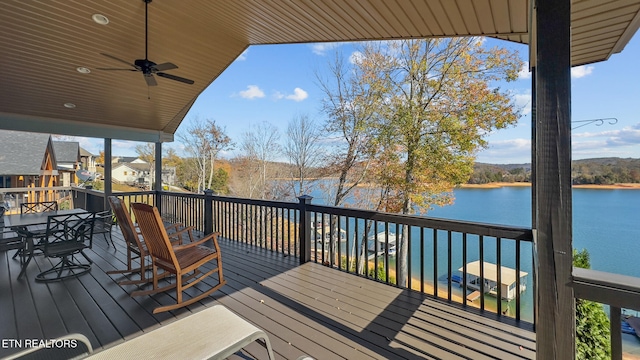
(438, 250)
(14, 197)
(617, 291)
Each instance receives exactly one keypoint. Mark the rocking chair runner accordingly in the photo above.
(136, 247)
(179, 260)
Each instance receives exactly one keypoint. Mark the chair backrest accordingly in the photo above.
(154, 233)
(124, 222)
(36, 207)
(76, 228)
(9, 239)
(104, 221)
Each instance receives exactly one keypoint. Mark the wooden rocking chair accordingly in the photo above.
(136, 247)
(179, 260)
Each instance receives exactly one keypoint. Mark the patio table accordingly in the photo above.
(17, 221)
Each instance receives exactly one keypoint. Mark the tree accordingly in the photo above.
(204, 140)
(171, 158)
(302, 149)
(146, 153)
(218, 141)
(593, 337)
(259, 148)
(350, 103)
(433, 103)
(100, 158)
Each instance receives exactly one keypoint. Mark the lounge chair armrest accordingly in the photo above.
(212, 236)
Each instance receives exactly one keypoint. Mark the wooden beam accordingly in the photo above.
(555, 312)
(158, 175)
(108, 174)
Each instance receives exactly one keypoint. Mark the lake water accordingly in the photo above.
(605, 222)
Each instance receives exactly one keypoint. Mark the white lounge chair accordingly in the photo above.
(214, 333)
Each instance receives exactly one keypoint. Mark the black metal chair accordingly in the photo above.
(67, 237)
(37, 232)
(103, 225)
(36, 207)
(11, 240)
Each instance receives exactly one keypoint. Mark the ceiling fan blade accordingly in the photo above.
(151, 81)
(165, 66)
(117, 69)
(122, 61)
(176, 78)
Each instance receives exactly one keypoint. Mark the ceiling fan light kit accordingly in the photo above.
(147, 67)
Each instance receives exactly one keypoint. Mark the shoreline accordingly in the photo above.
(496, 185)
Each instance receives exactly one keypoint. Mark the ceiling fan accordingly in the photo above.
(147, 67)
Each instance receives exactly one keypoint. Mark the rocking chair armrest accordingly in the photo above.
(174, 226)
(177, 235)
(212, 236)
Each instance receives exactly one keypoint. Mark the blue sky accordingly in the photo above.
(274, 83)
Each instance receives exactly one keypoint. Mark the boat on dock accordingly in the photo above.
(377, 245)
(322, 233)
(631, 325)
(508, 280)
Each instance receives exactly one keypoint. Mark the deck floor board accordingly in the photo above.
(305, 309)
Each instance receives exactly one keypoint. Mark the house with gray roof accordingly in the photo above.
(133, 174)
(88, 160)
(27, 159)
(68, 161)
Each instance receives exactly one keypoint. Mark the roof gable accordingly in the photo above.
(23, 153)
(67, 151)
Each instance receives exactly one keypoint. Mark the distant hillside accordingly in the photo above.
(599, 171)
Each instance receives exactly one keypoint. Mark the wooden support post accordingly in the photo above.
(108, 174)
(158, 176)
(616, 332)
(305, 229)
(555, 313)
(208, 211)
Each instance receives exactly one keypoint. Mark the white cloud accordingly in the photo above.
(322, 48)
(621, 142)
(576, 72)
(523, 102)
(243, 56)
(252, 92)
(298, 95)
(510, 151)
(356, 57)
(524, 72)
(581, 71)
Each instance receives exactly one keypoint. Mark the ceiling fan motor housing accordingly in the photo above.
(146, 66)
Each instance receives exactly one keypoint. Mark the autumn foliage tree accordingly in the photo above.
(429, 105)
(203, 141)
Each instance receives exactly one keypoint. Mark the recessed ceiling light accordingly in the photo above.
(100, 19)
(70, 105)
(83, 70)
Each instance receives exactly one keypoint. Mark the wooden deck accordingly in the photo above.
(309, 309)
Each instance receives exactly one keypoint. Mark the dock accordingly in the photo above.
(474, 296)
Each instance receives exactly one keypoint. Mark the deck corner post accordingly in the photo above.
(555, 304)
(305, 228)
(157, 180)
(208, 211)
